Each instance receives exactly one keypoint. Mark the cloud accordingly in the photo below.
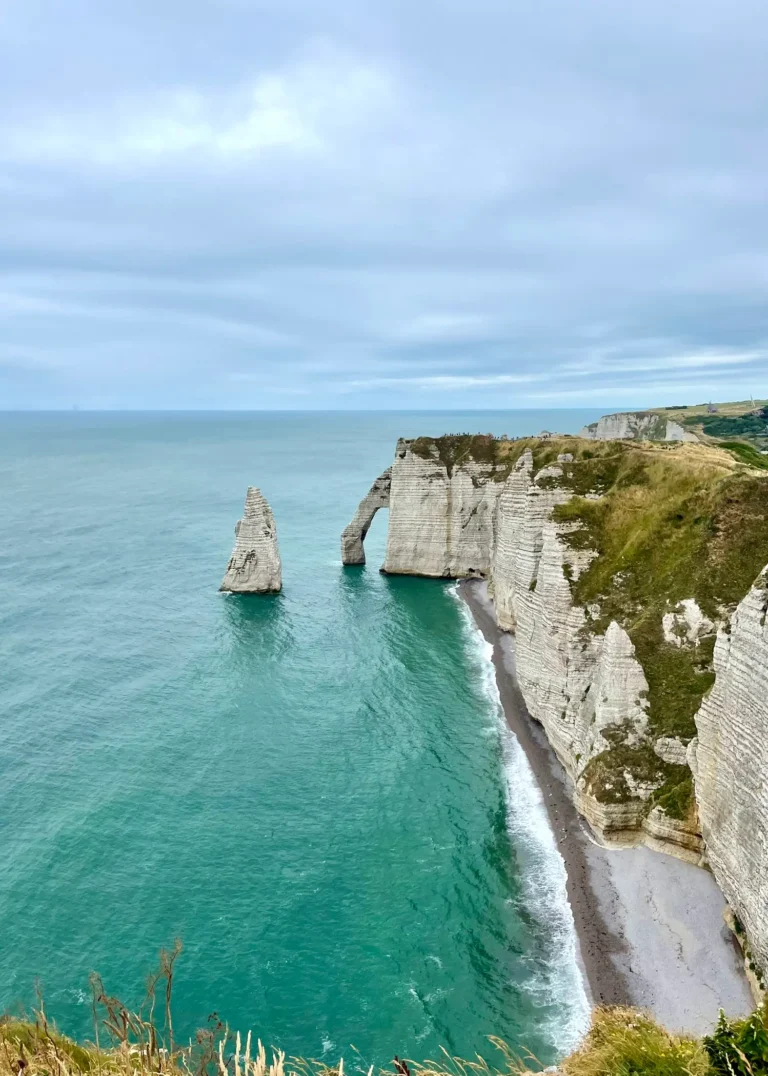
(299, 109)
(226, 204)
(695, 361)
(443, 383)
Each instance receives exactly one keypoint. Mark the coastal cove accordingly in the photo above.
(335, 794)
(310, 789)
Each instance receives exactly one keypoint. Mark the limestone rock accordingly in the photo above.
(729, 759)
(440, 523)
(636, 426)
(670, 749)
(254, 567)
(675, 432)
(588, 690)
(575, 683)
(686, 625)
(353, 536)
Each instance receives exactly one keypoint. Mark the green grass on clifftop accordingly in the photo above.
(128, 1042)
(673, 523)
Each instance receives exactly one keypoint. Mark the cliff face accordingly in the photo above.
(730, 763)
(587, 688)
(441, 510)
(616, 565)
(254, 567)
(636, 426)
(353, 536)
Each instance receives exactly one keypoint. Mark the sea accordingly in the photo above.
(316, 791)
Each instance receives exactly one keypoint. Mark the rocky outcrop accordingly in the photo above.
(686, 625)
(730, 765)
(353, 536)
(636, 426)
(254, 567)
(440, 515)
(587, 689)
(578, 685)
(675, 432)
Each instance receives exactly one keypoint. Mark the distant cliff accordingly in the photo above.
(739, 426)
(626, 572)
(637, 426)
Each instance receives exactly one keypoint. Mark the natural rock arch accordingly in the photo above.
(353, 536)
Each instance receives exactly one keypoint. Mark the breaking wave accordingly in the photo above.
(556, 983)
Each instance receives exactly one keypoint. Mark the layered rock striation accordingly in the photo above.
(615, 565)
(636, 426)
(353, 536)
(729, 759)
(441, 509)
(254, 567)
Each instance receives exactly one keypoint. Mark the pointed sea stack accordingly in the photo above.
(254, 567)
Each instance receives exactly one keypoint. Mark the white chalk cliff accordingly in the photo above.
(353, 536)
(587, 687)
(254, 567)
(636, 426)
(729, 759)
(440, 518)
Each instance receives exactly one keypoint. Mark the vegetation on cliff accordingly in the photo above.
(620, 1042)
(745, 420)
(669, 522)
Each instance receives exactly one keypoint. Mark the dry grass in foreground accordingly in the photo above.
(621, 1042)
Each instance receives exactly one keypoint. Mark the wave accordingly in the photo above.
(556, 983)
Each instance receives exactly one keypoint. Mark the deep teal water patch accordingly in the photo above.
(309, 789)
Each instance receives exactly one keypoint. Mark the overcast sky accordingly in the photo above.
(382, 203)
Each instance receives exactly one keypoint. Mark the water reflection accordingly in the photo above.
(256, 625)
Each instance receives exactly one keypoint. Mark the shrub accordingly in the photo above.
(624, 1042)
(740, 1047)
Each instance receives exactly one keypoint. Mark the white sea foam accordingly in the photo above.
(557, 982)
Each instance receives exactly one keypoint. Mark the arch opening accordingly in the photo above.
(353, 536)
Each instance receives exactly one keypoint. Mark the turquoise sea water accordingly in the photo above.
(315, 791)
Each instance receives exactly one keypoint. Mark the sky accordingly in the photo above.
(382, 203)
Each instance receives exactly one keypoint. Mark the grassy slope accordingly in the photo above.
(620, 1042)
(733, 421)
(676, 522)
(734, 425)
(673, 521)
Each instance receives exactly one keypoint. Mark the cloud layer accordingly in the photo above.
(240, 203)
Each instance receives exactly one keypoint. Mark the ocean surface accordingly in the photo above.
(315, 791)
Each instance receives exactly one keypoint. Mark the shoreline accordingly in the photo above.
(649, 926)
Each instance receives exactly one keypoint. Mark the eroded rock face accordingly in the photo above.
(587, 689)
(730, 765)
(440, 523)
(675, 432)
(636, 426)
(586, 686)
(353, 536)
(254, 567)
